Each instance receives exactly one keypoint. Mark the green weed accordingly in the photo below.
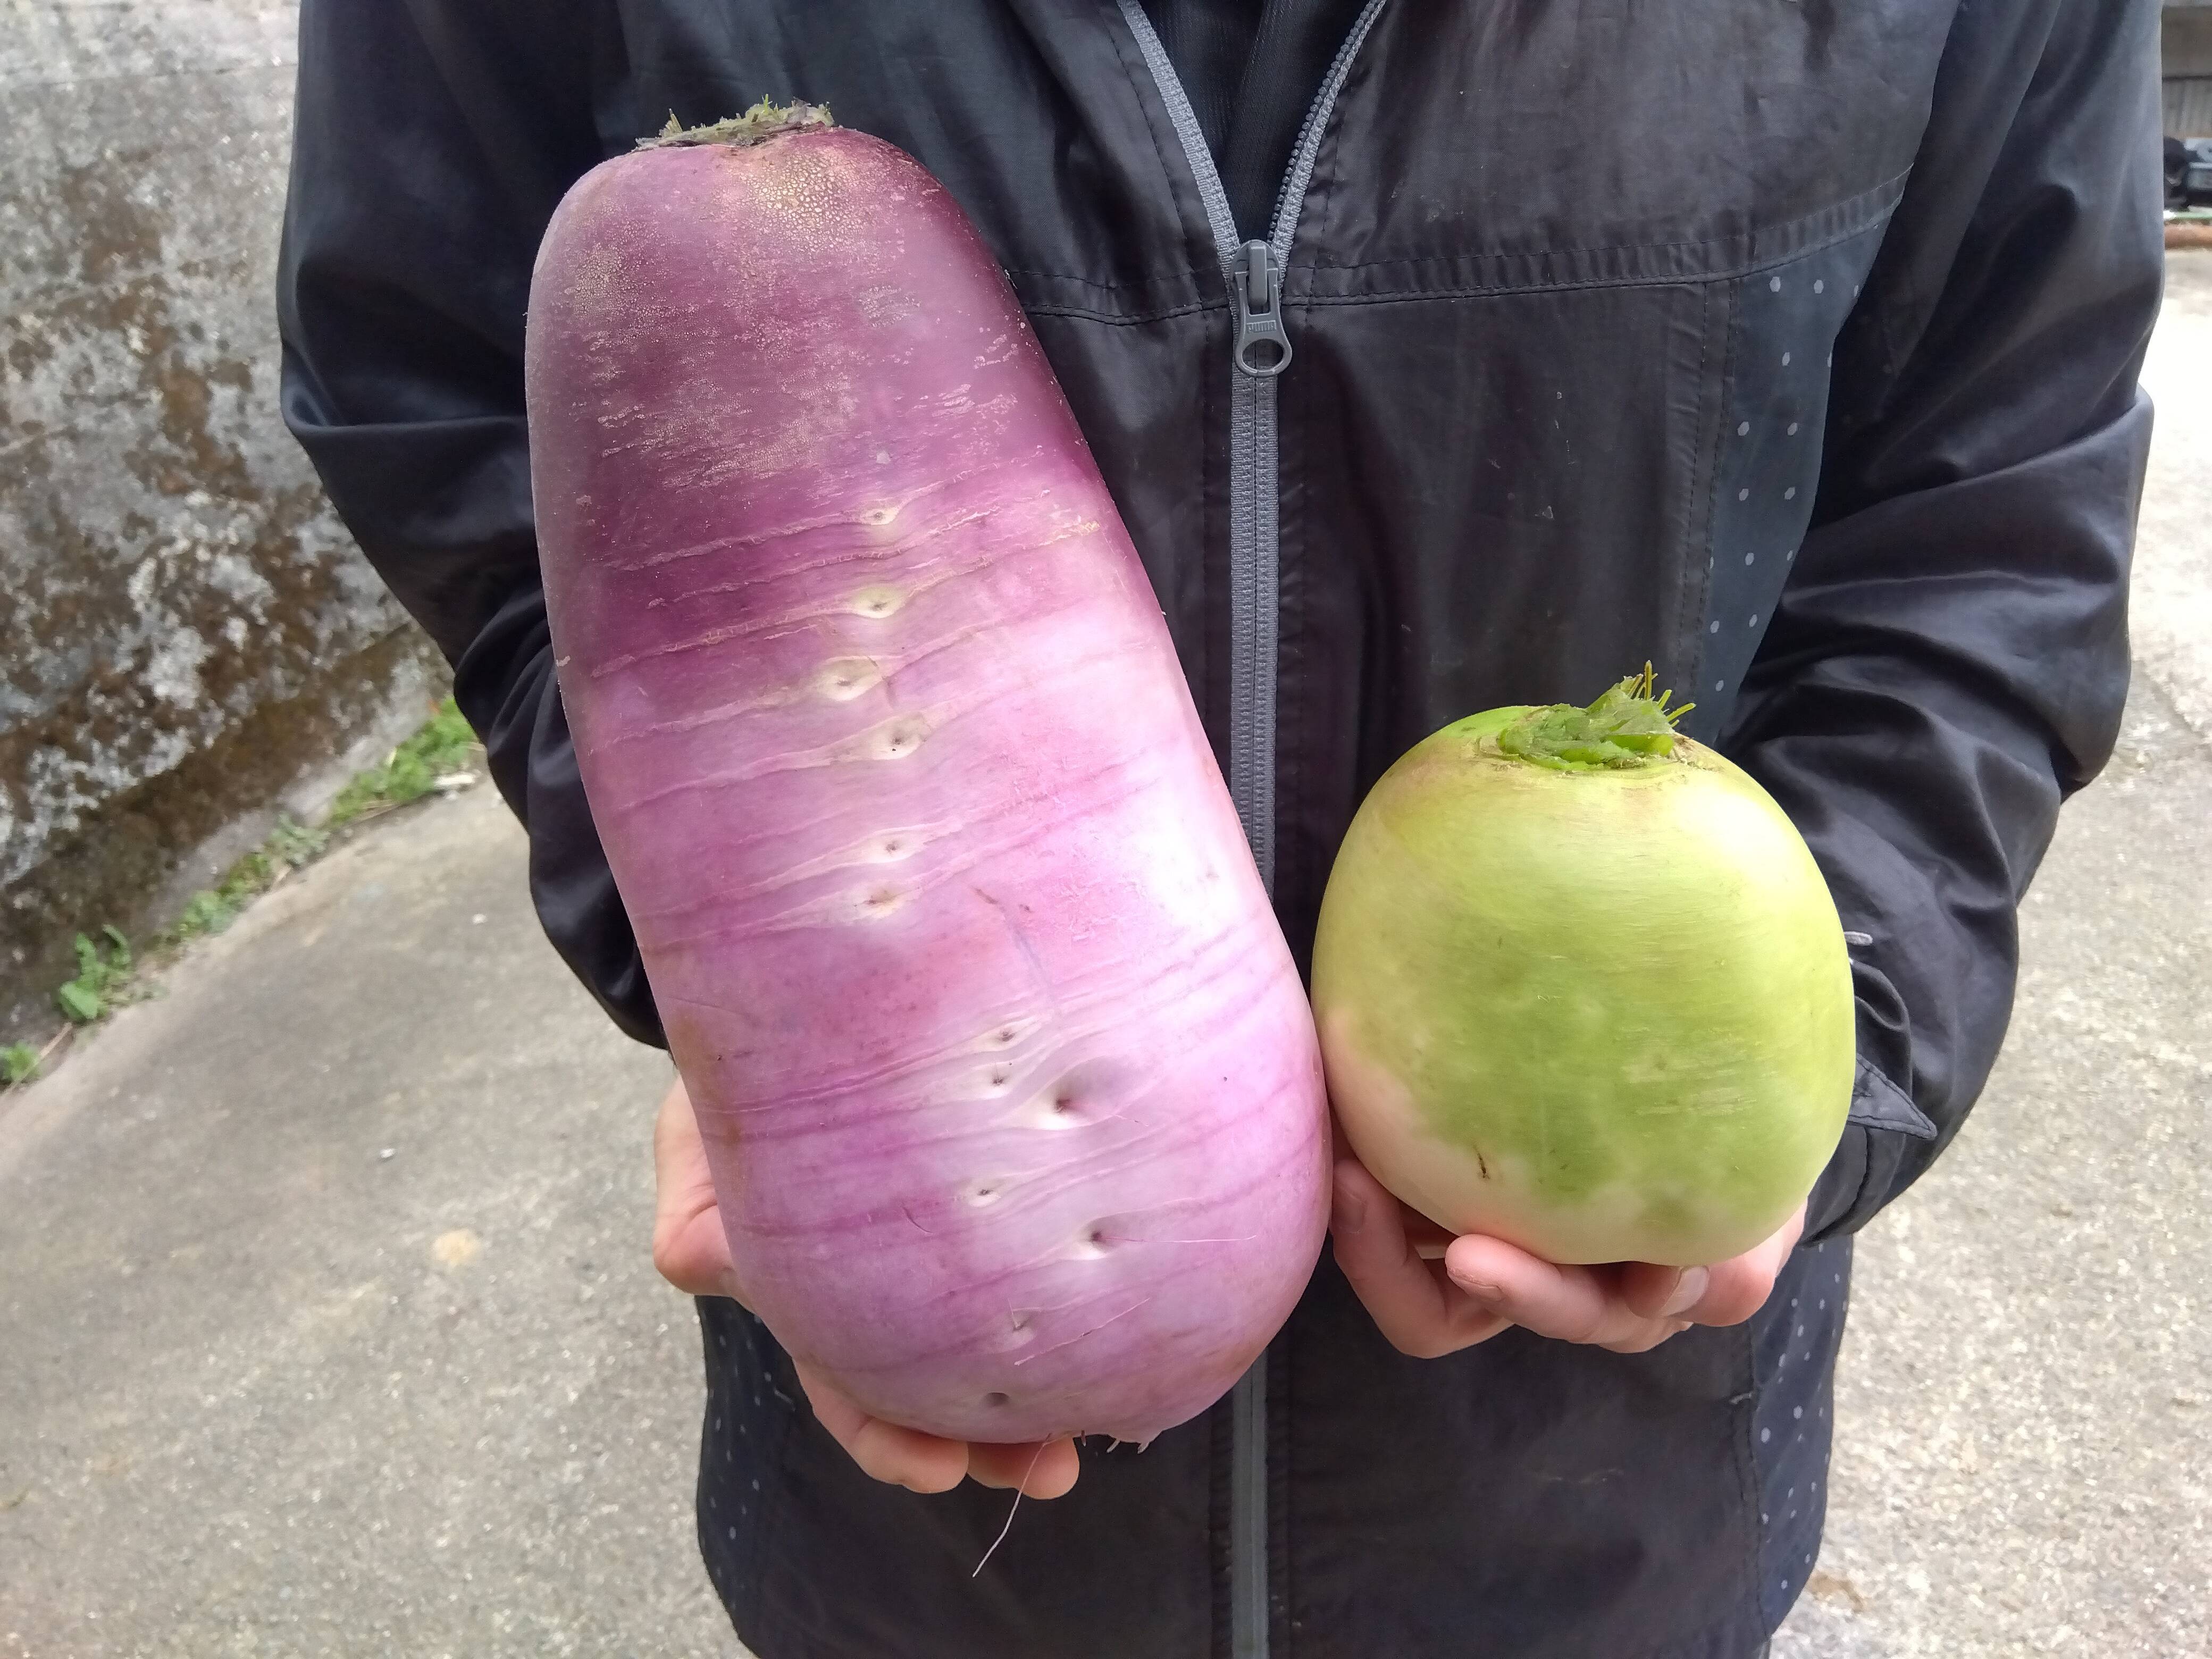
(101, 975)
(105, 967)
(442, 747)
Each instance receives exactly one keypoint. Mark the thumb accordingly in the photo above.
(690, 1248)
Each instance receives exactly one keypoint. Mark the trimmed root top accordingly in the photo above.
(757, 126)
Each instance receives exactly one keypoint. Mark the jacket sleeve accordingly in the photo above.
(1951, 657)
(433, 141)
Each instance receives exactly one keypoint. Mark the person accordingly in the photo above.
(1792, 348)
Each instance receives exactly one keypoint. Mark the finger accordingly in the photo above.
(689, 1250)
(1412, 1303)
(1426, 1237)
(1427, 1240)
(1740, 1287)
(1040, 1470)
(1652, 1292)
(1568, 1304)
(897, 1456)
(1727, 1293)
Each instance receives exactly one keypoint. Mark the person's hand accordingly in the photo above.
(692, 1253)
(1431, 1294)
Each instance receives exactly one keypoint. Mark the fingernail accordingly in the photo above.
(1688, 1293)
(1351, 1206)
(1480, 1289)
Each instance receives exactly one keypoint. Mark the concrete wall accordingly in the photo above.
(188, 633)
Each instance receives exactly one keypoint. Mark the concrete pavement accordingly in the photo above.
(327, 1326)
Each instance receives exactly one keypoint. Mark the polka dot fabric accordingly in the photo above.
(748, 1412)
(1794, 1354)
(1768, 467)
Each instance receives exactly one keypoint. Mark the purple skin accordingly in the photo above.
(1008, 1083)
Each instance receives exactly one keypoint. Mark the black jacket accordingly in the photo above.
(1789, 344)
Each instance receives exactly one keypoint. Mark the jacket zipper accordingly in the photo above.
(1261, 351)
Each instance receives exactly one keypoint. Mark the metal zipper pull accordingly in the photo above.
(1263, 349)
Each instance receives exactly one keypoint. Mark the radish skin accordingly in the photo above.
(1009, 1088)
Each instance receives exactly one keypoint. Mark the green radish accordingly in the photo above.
(1580, 986)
